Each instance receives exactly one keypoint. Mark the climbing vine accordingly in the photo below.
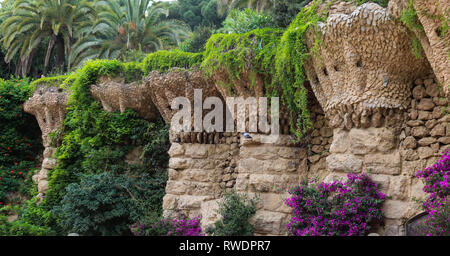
(410, 19)
(289, 76)
(276, 55)
(253, 51)
(164, 60)
(95, 141)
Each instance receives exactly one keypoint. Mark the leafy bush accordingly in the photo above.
(169, 227)
(242, 21)
(235, 210)
(336, 209)
(196, 13)
(283, 12)
(20, 139)
(437, 180)
(197, 41)
(20, 228)
(36, 215)
(100, 205)
(95, 140)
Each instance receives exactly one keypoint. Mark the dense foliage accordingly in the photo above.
(31, 23)
(236, 54)
(93, 190)
(169, 227)
(275, 55)
(21, 228)
(122, 26)
(99, 205)
(235, 210)
(20, 140)
(196, 13)
(335, 209)
(164, 60)
(94, 142)
(437, 185)
(242, 21)
(284, 12)
(198, 40)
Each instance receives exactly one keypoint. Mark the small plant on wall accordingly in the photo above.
(335, 209)
(235, 211)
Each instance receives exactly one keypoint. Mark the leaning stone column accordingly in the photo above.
(363, 79)
(48, 105)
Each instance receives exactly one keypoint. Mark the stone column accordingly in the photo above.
(363, 81)
(48, 105)
(199, 174)
(269, 169)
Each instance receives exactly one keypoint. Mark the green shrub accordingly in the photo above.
(56, 81)
(20, 228)
(169, 227)
(100, 205)
(243, 21)
(235, 210)
(284, 12)
(20, 139)
(198, 40)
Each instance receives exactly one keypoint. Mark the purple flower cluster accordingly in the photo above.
(169, 227)
(436, 179)
(335, 209)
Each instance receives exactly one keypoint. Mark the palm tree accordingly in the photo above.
(125, 25)
(31, 22)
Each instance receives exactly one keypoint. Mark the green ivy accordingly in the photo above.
(410, 19)
(289, 76)
(95, 141)
(275, 55)
(56, 81)
(20, 140)
(164, 60)
(235, 211)
(237, 53)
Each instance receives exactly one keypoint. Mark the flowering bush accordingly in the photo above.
(436, 180)
(169, 227)
(336, 209)
(20, 140)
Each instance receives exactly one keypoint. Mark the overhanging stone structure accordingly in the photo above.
(48, 105)
(375, 108)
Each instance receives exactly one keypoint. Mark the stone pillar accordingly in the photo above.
(199, 174)
(269, 169)
(48, 105)
(366, 93)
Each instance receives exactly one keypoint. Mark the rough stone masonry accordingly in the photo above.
(375, 108)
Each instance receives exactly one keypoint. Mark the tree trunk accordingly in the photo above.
(30, 61)
(69, 50)
(60, 54)
(49, 52)
(18, 67)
